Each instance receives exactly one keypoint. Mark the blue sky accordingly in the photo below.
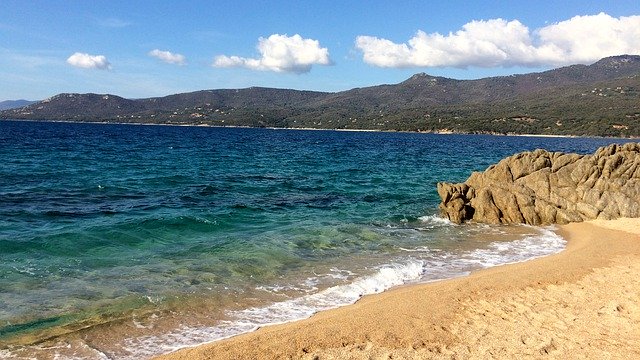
(153, 48)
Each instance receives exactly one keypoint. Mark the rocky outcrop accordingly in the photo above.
(541, 187)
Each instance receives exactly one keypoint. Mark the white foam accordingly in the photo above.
(530, 247)
(413, 265)
(280, 289)
(25, 270)
(61, 350)
(154, 299)
(435, 220)
(435, 265)
(340, 274)
(310, 284)
(280, 312)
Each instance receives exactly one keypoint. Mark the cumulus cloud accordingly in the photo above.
(497, 42)
(86, 61)
(281, 53)
(168, 57)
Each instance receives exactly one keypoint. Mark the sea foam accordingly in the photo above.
(246, 320)
(435, 220)
(436, 265)
(420, 264)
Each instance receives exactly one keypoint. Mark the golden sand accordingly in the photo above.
(583, 303)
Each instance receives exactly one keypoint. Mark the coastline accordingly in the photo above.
(439, 132)
(579, 300)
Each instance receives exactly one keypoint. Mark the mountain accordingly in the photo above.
(598, 99)
(12, 104)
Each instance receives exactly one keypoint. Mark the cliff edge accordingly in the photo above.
(541, 187)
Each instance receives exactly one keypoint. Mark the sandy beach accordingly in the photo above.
(580, 303)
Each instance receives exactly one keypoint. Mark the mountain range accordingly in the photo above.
(600, 99)
(12, 104)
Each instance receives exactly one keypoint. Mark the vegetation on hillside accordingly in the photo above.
(601, 99)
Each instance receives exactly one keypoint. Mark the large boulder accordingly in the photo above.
(541, 187)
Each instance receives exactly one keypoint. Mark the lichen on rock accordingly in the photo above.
(541, 187)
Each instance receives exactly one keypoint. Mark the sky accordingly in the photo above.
(147, 48)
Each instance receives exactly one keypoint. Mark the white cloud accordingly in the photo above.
(168, 57)
(281, 53)
(588, 38)
(497, 42)
(87, 61)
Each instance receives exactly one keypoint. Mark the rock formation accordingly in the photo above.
(541, 187)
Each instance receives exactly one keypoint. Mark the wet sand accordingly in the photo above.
(580, 303)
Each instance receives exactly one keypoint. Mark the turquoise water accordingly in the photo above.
(125, 241)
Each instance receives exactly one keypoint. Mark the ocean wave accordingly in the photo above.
(437, 265)
(251, 319)
(527, 248)
(421, 264)
(435, 220)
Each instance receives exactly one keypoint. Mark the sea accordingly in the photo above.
(129, 241)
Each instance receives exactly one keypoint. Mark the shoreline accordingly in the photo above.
(468, 316)
(322, 129)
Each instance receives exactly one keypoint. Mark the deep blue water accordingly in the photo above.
(120, 223)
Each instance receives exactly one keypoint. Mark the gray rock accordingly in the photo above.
(540, 187)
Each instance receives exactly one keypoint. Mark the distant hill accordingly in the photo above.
(12, 104)
(598, 99)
